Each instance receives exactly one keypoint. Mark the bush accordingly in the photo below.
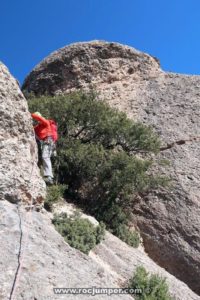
(132, 238)
(79, 233)
(102, 156)
(118, 224)
(152, 287)
(54, 193)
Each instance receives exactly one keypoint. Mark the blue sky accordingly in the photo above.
(167, 29)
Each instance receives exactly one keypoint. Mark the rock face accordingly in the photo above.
(47, 262)
(19, 175)
(132, 81)
(88, 64)
(121, 260)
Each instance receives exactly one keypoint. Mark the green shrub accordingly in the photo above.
(152, 287)
(117, 223)
(132, 238)
(54, 193)
(102, 156)
(79, 233)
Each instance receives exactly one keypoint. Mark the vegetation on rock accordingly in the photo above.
(102, 156)
(54, 193)
(78, 232)
(152, 287)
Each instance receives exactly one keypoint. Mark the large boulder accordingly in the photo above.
(133, 81)
(84, 65)
(20, 179)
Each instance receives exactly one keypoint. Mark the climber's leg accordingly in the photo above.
(46, 159)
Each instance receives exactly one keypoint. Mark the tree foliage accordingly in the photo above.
(82, 117)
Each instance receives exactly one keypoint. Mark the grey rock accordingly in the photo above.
(122, 260)
(133, 82)
(19, 175)
(36, 255)
(46, 261)
(83, 64)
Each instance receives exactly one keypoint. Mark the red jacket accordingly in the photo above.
(43, 129)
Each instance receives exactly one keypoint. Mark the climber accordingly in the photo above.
(46, 142)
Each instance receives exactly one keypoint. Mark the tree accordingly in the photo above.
(103, 156)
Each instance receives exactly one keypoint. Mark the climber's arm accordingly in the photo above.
(39, 119)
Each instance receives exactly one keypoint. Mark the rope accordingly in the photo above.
(21, 255)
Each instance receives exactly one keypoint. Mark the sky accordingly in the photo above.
(168, 29)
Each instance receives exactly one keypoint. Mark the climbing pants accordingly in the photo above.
(46, 150)
(46, 160)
